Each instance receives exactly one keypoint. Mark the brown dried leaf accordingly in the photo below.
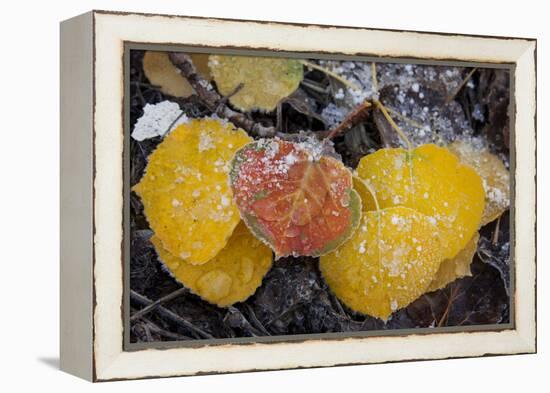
(161, 72)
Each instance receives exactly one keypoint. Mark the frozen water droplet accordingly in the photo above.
(214, 285)
(247, 270)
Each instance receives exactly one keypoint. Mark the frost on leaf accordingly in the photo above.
(158, 120)
(495, 176)
(265, 81)
(161, 72)
(184, 190)
(457, 267)
(295, 199)
(431, 180)
(388, 262)
(231, 276)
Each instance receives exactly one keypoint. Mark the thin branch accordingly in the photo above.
(496, 232)
(452, 298)
(158, 302)
(374, 77)
(384, 129)
(384, 111)
(457, 90)
(254, 319)
(405, 118)
(314, 86)
(157, 329)
(332, 74)
(214, 101)
(170, 315)
(174, 122)
(357, 115)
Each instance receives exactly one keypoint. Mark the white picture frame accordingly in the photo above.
(92, 190)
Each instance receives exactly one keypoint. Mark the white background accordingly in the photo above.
(29, 150)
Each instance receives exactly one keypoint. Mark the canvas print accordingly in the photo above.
(273, 196)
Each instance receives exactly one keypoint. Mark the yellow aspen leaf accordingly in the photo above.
(184, 190)
(266, 81)
(457, 267)
(495, 176)
(231, 276)
(367, 201)
(161, 72)
(387, 263)
(431, 180)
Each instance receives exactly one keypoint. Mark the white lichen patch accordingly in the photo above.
(158, 120)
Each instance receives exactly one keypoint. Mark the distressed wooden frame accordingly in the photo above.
(92, 166)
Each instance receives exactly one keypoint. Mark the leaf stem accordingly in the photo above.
(405, 118)
(460, 86)
(384, 111)
(330, 73)
(374, 78)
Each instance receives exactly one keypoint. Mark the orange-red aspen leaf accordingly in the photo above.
(295, 199)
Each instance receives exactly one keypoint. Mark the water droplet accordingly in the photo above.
(214, 285)
(247, 270)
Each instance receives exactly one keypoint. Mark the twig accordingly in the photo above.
(452, 298)
(338, 304)
(254, 319)
(213, 101)
(171, 335)
(384, 111)
(374, 77)
(158, 302)
(497, 231)
(332, 74)
(170, 315)
(225, 99)
(233, 311)
(284, 313)
(314, 86)
(354, 117)
(174, 122)
(457, 90)
(405, 118)
(279, 117)
(384, 129)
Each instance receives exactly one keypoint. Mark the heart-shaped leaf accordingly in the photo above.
(231, 276)
(387, 263)
(295, 199)
(265, 81)
(431, 180)
(184, 190)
